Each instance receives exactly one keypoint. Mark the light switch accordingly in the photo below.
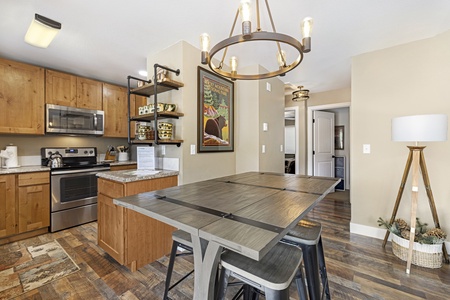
(268, 86)
(265, 127)
(192, 149)
(366, 148)
(163, 150)
(281, 148)
(263, 148)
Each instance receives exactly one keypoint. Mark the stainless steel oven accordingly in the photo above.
(73, 186)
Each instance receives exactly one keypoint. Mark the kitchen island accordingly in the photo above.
(131, 238)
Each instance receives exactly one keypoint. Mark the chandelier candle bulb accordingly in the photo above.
(307, 25)
(204, 43)
(245, 11)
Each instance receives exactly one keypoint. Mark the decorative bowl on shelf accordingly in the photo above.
(165, 126)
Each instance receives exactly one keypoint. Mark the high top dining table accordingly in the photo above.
(247, 213)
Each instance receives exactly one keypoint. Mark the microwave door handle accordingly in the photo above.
(95, 121)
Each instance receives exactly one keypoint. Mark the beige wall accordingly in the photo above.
(257, 105)
(404, 80)
(30, 145)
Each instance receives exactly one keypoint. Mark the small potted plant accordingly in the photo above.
(427, 251)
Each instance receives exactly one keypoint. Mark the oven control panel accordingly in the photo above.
(69, 152)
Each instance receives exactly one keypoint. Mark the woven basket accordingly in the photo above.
(428, 256)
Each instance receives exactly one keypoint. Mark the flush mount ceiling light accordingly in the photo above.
(300, 94)
(42, 31)
(258, 35)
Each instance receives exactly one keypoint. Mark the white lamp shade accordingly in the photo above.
(420, 128)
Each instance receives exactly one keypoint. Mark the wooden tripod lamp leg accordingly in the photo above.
(414, 196)
(399, 194)
(426, 181)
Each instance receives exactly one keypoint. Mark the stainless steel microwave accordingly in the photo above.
(72, 120)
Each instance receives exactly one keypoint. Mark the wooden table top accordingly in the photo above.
(247, 213)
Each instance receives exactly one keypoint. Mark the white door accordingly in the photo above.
(323, 143)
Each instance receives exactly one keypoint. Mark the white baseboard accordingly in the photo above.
(374, 232)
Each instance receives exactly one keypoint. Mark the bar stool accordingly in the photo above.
(307, 235)
(271, 275)
(183, 240)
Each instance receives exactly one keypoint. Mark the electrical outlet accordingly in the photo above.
(263, 149)
(192, 149)
(281, 148)
(268, 86)
(163, 150)
(265, 127)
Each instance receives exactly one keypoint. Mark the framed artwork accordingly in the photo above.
(339, 137)
(215, 112)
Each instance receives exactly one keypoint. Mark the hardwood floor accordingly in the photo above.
(358, 267)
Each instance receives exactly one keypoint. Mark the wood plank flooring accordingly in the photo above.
(358, 267)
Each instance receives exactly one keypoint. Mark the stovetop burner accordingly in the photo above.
(72, 157)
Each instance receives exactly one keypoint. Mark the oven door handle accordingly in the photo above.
(80, 171)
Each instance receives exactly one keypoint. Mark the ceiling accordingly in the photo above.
(110, 39)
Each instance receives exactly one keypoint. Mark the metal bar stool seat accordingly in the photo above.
(307, 235)
(183, 240)
(271, 275)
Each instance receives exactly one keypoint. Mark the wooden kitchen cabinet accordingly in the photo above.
(34, 201)
(7, 205)
(131, 238)
(115, 105)
(70, 90)
(21, 98)
(24, 205)
(61, 88)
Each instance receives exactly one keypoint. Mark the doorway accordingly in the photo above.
(342, 120)
(291, 140)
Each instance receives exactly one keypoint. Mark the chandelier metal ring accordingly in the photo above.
(257, 36)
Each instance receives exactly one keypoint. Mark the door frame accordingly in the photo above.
(297, 137)
(309, 129)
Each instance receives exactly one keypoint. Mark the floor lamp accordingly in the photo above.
(420, 128)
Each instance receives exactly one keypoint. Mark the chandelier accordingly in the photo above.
(300, 94)
(259, 35)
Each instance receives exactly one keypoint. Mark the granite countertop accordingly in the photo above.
(135, 175)
(25, 169)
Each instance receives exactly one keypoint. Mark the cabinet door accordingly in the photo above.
(89, 93)
(7, 205)
(115, 105)
(111, 227)
(21, 98)
(61, 88)
(34, 201)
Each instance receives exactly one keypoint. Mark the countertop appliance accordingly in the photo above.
(73, 185)
(73, 120)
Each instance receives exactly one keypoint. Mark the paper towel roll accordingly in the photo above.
(12, 160)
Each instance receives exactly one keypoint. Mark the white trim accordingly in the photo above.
(309, 129)
(374, 232)
(297, 137)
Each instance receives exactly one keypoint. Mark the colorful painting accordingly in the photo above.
(215, 112)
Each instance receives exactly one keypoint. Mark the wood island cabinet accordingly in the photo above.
(21, 98)
(131, 238)
(24, 205)
(70, 90)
